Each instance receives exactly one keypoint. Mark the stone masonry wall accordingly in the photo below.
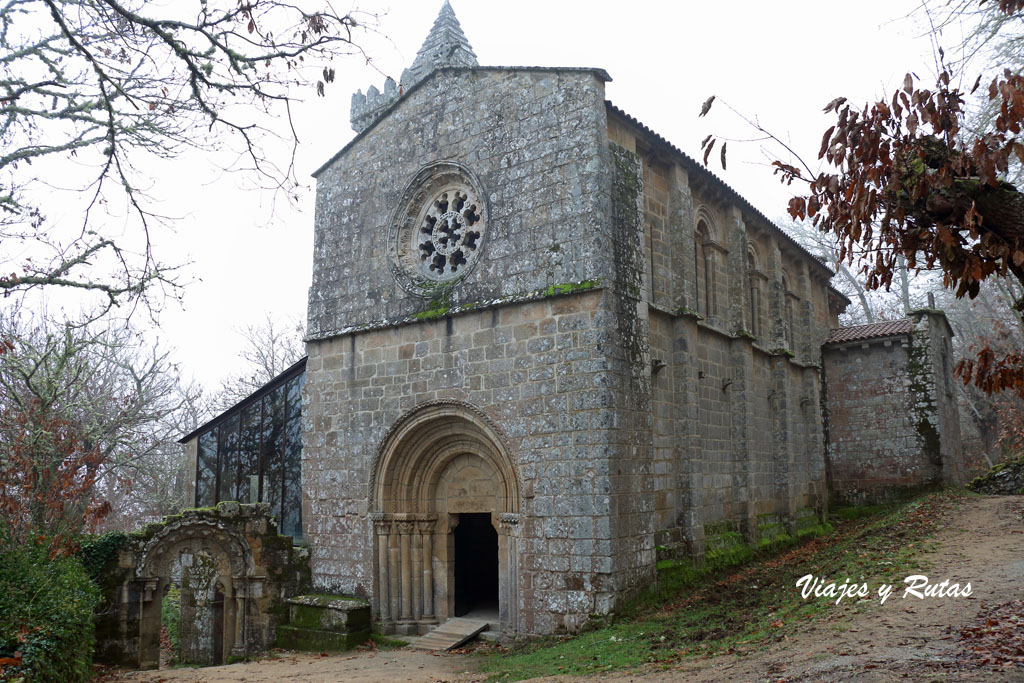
(544, 373)
(932, 332)
(628, 417)
(736, 432)
(870, 445)
(892, 421)
(536, 139)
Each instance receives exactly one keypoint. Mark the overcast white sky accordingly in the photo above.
(777, 61)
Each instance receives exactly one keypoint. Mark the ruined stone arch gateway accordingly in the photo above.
(233, 570)
(213, 565)
(443, 476)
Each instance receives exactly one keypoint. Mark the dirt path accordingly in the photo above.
(904, 639)
(362, 667)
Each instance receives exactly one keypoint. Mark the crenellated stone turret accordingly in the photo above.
(445, 45)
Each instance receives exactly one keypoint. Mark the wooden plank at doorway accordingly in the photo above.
(450, 634)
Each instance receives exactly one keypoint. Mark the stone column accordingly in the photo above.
(426, 531)
(508, 586)
(394, 575)
(405, 530)
(417, 573)
(238, 648)
(383, 529)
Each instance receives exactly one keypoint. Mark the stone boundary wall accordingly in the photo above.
(892, 423)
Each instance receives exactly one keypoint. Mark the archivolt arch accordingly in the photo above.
(413, 456)
(230, 548)
(443, 464)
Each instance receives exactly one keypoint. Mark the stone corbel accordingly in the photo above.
(508, 520)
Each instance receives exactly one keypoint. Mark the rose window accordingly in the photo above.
(438, 228)
(447, 237)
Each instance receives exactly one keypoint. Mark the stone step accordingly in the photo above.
(450, 634)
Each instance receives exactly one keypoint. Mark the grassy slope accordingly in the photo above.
(740, 609)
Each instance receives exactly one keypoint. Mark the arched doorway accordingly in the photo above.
(446, 500)
(213, 568)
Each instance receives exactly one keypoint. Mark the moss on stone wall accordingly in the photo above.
(922, 390)
(570, 288)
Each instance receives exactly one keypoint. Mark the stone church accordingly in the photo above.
(546, 348)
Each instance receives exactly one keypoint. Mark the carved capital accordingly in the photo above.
(381, 523)
(405, 527)
(148, 589)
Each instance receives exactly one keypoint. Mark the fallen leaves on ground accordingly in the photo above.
(996, 637)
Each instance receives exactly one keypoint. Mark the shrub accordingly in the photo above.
(46, 608)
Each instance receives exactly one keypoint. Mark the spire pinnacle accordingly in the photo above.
(445, 45)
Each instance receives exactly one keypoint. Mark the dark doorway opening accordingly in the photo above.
(476, 564)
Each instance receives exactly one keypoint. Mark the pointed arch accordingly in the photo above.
(756, 284)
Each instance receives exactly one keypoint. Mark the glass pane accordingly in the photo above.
(228, 459)
(295, 396)
(206, 470)
(291, 515)
(248, 456)
(273, 448)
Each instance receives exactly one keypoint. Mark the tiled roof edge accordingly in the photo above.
(740, 199)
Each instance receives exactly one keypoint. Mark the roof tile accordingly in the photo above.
(886, 328)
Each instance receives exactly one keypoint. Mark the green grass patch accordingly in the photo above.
(433, 313)
(732, 605)
(849, 513)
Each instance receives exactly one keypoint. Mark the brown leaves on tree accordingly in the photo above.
(907, 182)
(49, 497)
(704, 109)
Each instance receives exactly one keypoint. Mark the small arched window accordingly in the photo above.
(704, 270)
(790, 301)
(755, 282)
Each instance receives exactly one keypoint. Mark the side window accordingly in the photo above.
(756, 305)
(790, 303)
(704, 270)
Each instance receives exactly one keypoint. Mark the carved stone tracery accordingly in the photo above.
(438, 228)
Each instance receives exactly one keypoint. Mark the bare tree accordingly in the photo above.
(94, 90)
(991, 320)
(871, 305)
(87, 417)
(268, 349)
(911, 181)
